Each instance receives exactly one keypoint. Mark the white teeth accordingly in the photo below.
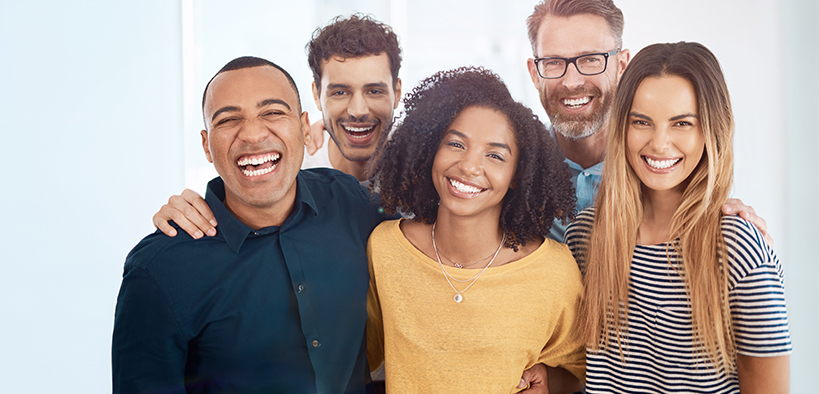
(255, 161)
(576, 103)
(258, 172)
(661, 164)
(359, 130)
(258, 160)
(464, 188)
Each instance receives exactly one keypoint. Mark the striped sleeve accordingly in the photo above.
(577, 237)
(756, 292)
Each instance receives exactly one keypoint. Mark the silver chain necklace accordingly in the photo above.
(458, 297)
(459, 265)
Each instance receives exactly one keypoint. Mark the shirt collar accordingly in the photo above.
(304, 196)
(596, 169)
(234, 231)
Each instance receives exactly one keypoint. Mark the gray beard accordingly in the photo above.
(577, 130)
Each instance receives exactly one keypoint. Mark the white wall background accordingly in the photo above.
(100, 105)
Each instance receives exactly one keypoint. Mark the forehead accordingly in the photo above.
(669, 95)
(574, 35)
(357, 71)
(484, 123)
(247, 87)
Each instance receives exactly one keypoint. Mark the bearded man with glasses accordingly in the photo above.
(578, 58)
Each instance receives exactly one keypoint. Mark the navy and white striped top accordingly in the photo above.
(659, 352)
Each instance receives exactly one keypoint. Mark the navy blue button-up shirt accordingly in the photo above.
(275, 310)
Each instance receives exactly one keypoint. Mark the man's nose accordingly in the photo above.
(572, 78)
(357, 106)
(253, 131)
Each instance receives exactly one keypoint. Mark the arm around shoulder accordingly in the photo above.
(190, 212)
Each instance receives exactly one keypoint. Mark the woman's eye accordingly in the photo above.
(455, 144)
(496, 156)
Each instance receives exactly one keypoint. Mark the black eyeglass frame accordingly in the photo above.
(572, 60)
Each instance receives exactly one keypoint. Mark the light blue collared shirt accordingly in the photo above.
(586, 182)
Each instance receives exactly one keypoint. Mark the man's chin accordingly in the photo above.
(577, 130)
(356, 155)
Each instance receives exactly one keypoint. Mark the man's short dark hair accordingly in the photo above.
(356, 36)
(249, 62)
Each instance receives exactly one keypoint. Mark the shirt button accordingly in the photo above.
(316, 344)
(301, 288)
(585, 173)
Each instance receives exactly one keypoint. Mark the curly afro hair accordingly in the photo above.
(401, 171)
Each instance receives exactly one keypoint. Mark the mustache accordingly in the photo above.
(581, 91)
(356, 119)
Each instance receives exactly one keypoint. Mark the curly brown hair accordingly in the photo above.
(356, 36)
(401, 170)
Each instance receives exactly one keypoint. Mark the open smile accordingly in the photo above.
(575, 103)
(258, 165)
(359, 131)
(661, 165)
(464, 190)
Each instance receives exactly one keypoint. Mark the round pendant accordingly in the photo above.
(458, 298)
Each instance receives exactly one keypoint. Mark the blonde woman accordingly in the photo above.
(678, 297)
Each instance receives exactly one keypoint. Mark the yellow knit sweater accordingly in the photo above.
(513, 317)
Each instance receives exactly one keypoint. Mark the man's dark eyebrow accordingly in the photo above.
(223, 109)
(337, 86)
(495, 144)
(376, 85)
(273, 101)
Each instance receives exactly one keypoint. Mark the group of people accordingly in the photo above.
(442, 256)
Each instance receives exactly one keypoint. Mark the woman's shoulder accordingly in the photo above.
(577, 234)
(582, 223)
(743, 236)
(552, 250)
(385, 230)
(746, 247)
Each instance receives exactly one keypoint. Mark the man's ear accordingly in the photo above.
(316, 96)
(397, 89)
(206, 145)
(305, 128)
(623, 57)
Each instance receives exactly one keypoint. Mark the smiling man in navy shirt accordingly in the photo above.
(275, 302)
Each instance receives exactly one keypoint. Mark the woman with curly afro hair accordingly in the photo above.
(469, 293)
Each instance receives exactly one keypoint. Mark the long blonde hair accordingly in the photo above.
(695, 231)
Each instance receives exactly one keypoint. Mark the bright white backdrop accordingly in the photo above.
(100, 118)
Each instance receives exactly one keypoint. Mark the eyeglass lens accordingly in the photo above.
(556, 67)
